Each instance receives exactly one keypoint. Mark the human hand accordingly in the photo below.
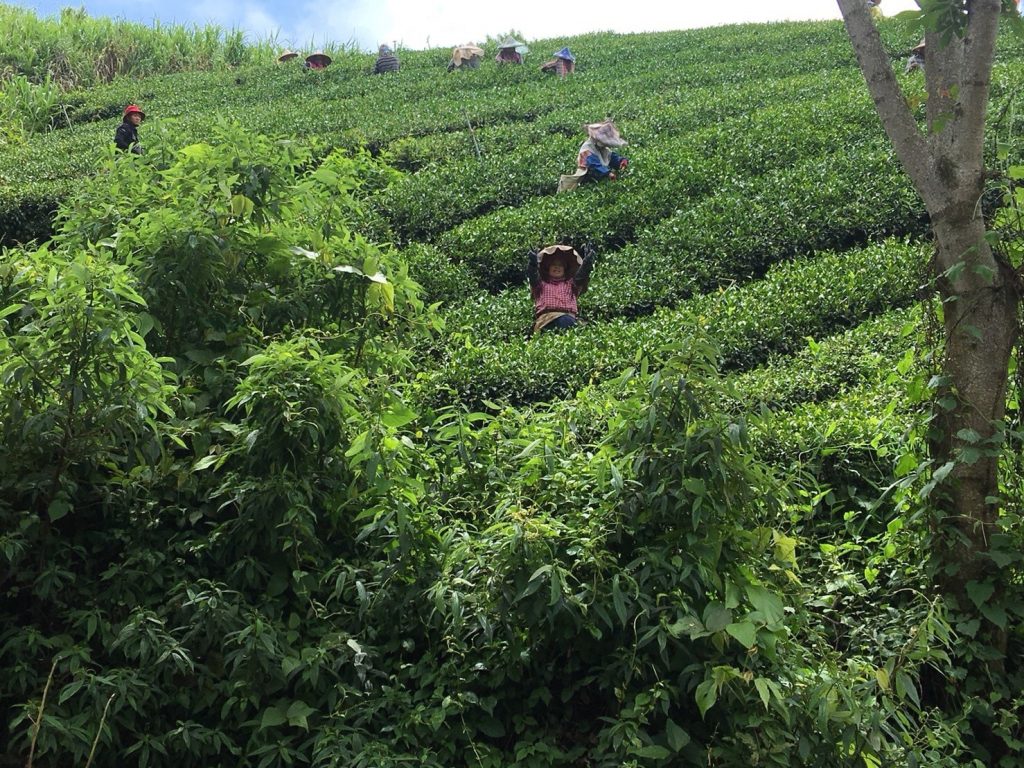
(612, 176)
(623, 164)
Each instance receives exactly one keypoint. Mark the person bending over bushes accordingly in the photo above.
(466, 56)
(557, 275)
(386, 61)
(563, 63)
(510, 51)
(597, 159)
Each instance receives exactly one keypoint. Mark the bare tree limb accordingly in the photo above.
(899, 123)
(979, 44)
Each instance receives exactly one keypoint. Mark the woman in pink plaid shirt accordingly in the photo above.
(558, 275)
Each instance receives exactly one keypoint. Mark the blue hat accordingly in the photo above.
(564, 54)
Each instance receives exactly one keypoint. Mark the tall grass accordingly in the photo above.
(27, 107)
(74, 50)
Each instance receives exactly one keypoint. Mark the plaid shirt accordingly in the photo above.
(559, 66)
(552, 296)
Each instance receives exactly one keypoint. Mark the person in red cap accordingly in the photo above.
(127, 135)
(557, 275)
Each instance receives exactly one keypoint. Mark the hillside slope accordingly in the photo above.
(285, 482)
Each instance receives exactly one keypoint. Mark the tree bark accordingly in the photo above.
(980, 322)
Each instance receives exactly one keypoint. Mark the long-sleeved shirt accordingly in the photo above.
(386, 63)
(559, 66)
(127, 137)
(558, 295)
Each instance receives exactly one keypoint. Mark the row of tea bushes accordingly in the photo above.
(675, 86)
(505, 165)
(822, 204)
(850, 443)
(826, 368)
(807, 297)
(823, 370)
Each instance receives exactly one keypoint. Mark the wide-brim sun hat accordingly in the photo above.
(511, 42)
(564, 54)
(319, 58)
(605, 133)
(564, 253)
(466, 51)
(132, 109)
(287, 56)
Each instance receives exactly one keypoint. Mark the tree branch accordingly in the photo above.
(897, 120)
(975, 81)
(943, 72)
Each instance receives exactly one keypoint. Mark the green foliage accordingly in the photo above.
(75, 50)
(28, 108)
(255, 510)
(81, 392)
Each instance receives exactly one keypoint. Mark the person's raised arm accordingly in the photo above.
(582, 279)
(532, 268)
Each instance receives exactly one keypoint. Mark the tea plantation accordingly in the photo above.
(285, 480)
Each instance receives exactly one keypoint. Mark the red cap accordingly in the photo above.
(132, 108)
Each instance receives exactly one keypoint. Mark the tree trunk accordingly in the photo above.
(980, 320)
(980, 292)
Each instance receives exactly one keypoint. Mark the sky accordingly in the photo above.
(418, 24)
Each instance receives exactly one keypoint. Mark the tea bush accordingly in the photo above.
(808, 297)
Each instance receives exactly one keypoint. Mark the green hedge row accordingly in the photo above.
(827, 203)
(807, 297)
(826, 368)
(849, 443)
(505, 165)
